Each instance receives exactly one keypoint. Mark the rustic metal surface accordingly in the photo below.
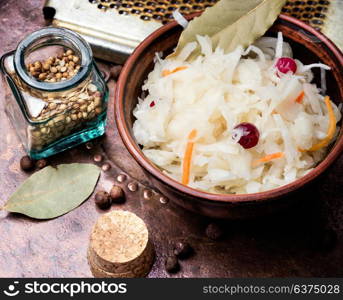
(280, 245)
(114, 28)
(113, 36)
(313, 12)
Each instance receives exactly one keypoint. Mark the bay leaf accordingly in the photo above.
(52, 192)
(230, 23)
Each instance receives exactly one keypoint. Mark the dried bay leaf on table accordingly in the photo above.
(52, 192)
(230, 23)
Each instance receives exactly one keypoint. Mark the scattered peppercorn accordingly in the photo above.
(42, 163)
(117, 194)
(213, 231)
(171, 264)
(26, 163)
(103, 200)
(182, 249)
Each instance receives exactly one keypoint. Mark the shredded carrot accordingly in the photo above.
(188, 157)
(331, 130)
(267, 158)
(168, 72)
(300, 98)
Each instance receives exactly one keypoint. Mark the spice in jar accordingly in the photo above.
(66, 112)
(56, 68)
(56, 95)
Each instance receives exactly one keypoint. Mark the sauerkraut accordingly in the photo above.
(216, 92)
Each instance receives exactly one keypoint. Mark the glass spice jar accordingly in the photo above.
(55, 96)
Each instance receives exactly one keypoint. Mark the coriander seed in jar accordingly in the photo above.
(55, 96)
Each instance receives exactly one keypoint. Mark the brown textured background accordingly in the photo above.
(281, 245)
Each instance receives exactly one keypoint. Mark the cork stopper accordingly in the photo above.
(120, 246)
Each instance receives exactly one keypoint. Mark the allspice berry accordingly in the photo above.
(103, 200)
(26, 163)
(117, 194)
(182, 249)
(214, 232)
(69, 52)
(171, 264)
(37, 65)
(42, 163)
(54, 69)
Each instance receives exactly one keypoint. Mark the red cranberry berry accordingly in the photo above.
(286, 64)
(250, 135)
(152, 104)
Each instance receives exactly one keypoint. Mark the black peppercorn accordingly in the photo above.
(182, 249)
(117, 194)
(42, 163)
(103, 200)
(171, 264)
(214, 232)
(26, 163)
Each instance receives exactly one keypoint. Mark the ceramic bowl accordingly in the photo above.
(309, 45)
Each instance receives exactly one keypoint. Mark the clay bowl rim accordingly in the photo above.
(138, 155)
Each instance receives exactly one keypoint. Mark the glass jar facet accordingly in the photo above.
(52, 113)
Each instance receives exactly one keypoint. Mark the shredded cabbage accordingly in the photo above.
(180, 18)
(213, 94)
